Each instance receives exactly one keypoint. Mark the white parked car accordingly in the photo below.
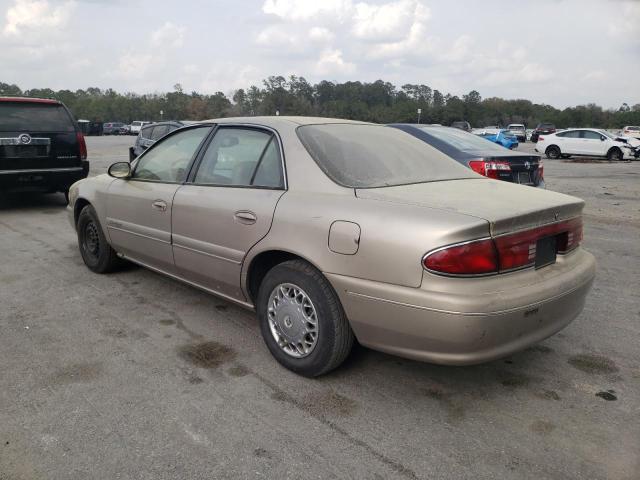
(136, 125)
(519, 130)
(630, 131)
(588, 142)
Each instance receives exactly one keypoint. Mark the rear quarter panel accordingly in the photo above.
(393, 238)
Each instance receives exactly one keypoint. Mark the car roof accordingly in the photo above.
(273, 121)
(30, 100)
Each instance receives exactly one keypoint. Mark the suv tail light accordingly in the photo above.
(488, 168)
(504, 253)
(541, 169)
(82, 146)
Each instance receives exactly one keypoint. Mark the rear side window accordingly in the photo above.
(241, 157)
(369, 156)
(34, 117)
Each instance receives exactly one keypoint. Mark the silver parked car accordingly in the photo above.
(334, 230)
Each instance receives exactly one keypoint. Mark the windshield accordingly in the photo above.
(607, 134)
(467, 142)
(516, 127)
(369, 156)
(34, 117)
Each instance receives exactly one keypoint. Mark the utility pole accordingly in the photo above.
(419, 113)
(161, 114)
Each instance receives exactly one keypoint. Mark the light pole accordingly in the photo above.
(419, 112)
(162, 113)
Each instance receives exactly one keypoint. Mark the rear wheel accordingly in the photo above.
(301, 319)
(96, 252)
(553, 152)
(615, 154)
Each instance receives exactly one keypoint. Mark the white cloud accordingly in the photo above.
(321, 34)
(168, 35)
(331, 62)
(32, 16)
(307, 9)
(388, 21)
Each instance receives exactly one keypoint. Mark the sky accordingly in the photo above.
(558, 52)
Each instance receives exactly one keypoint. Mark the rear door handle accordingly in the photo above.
(245, 217)
(159, 205)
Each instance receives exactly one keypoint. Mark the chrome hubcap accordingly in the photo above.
(293, 320)
(91, 239)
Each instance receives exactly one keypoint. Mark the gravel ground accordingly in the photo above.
(133, 375)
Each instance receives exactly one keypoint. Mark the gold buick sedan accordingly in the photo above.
(334, 230)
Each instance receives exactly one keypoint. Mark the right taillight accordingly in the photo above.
(503, 253)
(488, 168)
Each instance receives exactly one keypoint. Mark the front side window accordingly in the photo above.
(570, 134)
(169, 159)
(159, 131)
(589, 135)
(241, 157)
(146, 132)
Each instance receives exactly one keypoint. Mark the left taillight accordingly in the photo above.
(488, 168)
(472, 258)
(504, 253)
(82, 146)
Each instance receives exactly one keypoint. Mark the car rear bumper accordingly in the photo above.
(43, 178)
(463, 328)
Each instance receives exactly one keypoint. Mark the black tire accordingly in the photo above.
(96, 252)
(614, 155)
(334, 338)
(553, 152)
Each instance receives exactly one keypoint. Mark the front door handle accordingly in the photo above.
(159, 205)
(245, 217)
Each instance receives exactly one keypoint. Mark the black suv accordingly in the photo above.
(150, 134)
(41, 146)
(542, 129)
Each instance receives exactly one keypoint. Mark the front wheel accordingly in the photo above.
(301, 319)
(96, 252)
(615, 154)
(553, 152)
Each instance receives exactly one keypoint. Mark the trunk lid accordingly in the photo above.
(524, 168)
(507, 207)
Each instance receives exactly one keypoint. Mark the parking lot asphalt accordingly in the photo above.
(134, 375)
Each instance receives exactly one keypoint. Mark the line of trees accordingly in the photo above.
(377, 101)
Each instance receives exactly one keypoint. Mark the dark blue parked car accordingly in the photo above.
(483, 157)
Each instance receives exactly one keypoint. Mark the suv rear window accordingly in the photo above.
(34, 117)
(369, 156)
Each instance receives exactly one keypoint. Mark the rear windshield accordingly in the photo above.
(34, 117)
(633, 128)
(369, 156)
(547, 125)
(516, 127)
(467, 142)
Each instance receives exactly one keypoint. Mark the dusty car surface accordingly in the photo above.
(334, 231)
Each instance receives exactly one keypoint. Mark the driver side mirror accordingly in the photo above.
(120, 170)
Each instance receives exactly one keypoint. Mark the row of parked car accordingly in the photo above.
(119, 128)
(554, 143)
